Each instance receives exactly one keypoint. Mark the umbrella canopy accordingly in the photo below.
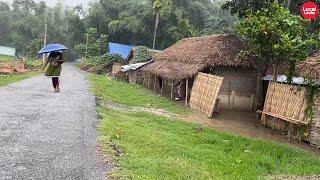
(52, 47)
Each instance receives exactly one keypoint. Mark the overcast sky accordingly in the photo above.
(63, 2)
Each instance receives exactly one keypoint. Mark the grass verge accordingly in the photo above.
(147, 146)
(132, 95)
(4, 58)
(155, 147)
(8, 79)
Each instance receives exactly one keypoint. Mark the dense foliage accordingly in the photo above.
(96, 45)
(141, 54)
(23, 26)
(130, 22)
(278, 36)
(242, 7)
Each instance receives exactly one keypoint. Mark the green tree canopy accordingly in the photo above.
(277, 36)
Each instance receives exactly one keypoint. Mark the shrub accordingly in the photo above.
(141, 55)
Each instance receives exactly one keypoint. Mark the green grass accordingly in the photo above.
(155, 147)
(132, 95)
(4, 58)
(158, 148)
(8, 79)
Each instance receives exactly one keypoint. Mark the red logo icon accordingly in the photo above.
(309, 10)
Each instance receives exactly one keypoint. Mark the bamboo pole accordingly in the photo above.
(143, 78)
(187, 88)
(171, 89)
(149, 82)
(162, 84)
(154, 83)
(229, 96)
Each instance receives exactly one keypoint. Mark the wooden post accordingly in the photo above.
(154, 83)
(232, 100)
(149, 82)
(187, 88)
(251, 106)
(172, 89)
(229, 97)
(143, 77)
(162, 84)
(289, 133)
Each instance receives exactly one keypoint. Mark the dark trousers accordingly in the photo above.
(55, 82)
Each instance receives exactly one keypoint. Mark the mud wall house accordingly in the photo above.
(173, 70)
(311, 70)
(124, 51)
(285, 104)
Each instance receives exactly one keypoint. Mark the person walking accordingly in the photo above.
(55, 61)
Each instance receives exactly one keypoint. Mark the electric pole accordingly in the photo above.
(45, 35)
(85, 56)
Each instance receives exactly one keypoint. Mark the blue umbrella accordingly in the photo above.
(52, 47)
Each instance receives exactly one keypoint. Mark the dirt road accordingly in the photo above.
(49, 136)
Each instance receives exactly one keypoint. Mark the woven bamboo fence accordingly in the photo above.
(285, 102)
(204, 93)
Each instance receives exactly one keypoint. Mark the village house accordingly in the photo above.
(124, 51)
(311, 70)
(173, 71)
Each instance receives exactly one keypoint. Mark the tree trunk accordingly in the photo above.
(275, 72)
(260, 89)
(155, 29)
(291, 71)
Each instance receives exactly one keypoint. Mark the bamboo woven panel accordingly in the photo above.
(204, 93)
(286, 102)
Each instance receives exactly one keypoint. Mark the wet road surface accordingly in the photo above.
(44, 135)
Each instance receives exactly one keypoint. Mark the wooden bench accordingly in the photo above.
(291, 120)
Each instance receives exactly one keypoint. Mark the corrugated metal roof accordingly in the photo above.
(9, 51)
(283, 79)
(133, 67)
(121, 49)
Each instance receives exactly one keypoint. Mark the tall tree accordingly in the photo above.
(158, 5)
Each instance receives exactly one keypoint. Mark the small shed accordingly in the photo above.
(124, 51)
(134, 74)
(174, 70)
(7, 51)
(139, 57)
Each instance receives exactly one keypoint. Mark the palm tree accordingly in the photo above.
(158, 5)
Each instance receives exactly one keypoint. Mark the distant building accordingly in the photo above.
(123, 50)
(8, 51)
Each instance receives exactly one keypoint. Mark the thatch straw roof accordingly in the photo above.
(310, 68)
(191, 55)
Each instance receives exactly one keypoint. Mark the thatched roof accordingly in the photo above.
(191, 55)
(310, 68)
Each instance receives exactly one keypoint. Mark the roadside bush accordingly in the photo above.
(34, 64)
(100, 64)
(141, 55)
